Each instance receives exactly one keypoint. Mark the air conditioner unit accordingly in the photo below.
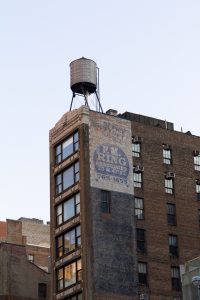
(143, 297)
(137, 139)
(139, 169)
(170, 175)
(196, 152)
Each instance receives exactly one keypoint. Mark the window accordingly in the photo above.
(175, 276)
(69, 275)
(198, 189)
(169, 185)
(167, 155)
(173, 245)
(140, 234)
(67, 147)
(136, 148)
(68, 209)
(105, 202)
(67, 178)
(139, 208)
(68, 242)
(142, 273)
(30, 257)
(171, 214)
(197, 160)
(137, 179)
(199, 217)
(42, 290)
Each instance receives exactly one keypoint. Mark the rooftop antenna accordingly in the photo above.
(84, 81)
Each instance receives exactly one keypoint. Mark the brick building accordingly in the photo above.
(24, 260)
(124, 206)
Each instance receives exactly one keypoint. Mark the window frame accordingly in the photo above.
(171, 214)
(167, 155)
(198, 189)
(42, 290)
(169, 188)
(60, 209)
(175, 279)
(136, 149)
(59, 153)
(142, 276)
(105, 202)
(63, 271)
(197, 161)
(137, 179)
(141, 240)
(60, 178)
(60, 247)
(139, 210)
(173, 245)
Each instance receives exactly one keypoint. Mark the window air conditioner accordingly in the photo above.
(196, 152)
(143, 297)
(137, 139)
(170, 175)
(139, 169)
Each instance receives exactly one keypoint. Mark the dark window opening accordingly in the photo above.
(105, 202)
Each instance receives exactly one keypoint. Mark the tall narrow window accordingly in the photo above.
(42, 290)
(67, 178)
(105, 201)
(136, 148)
(68, 209)
(169, 185)
(198, 189)
(67, 147)
(137, 179)
(142, 273)
(173, 245)
(171, 214)
(197, 160)
(199, 217)
(139, 208)
(175, 276)
(140, 234)
(167, 155)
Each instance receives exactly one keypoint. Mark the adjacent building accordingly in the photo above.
(24, 260)
(125, 191)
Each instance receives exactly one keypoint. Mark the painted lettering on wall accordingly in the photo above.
(111, 164)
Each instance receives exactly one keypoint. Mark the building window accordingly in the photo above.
(137, 179)
(105, 202)
(68, 209)
(67, 147)
(197, 160)
(30, 257)
(175, 276)
(139, 208)
(142, 273)
(68, 242)
(67, 178)
(173, 245)
(69, 275)
(140, 234)
(136, 148)
(169, 185)
(199, 217)
(171, 214)
(198, 189)
(167, 155)
(42, 290)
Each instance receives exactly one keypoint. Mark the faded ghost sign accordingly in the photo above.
(110, 153)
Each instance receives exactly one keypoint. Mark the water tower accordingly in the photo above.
(84, 80)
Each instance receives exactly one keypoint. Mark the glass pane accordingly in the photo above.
(59, 209)
(79, 264)
(58, 150)
(67, 148)
(69, 209)
(69, 241)
(76, 137)
(70, 275)
(68, 177)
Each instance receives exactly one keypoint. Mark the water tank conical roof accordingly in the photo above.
(83, 76)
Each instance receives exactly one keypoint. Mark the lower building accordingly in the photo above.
(191, 291)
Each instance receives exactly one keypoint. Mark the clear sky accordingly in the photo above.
(148, 52)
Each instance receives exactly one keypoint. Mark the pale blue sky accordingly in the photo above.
(148, 53)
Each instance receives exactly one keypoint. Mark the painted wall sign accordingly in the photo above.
(111, 163)
(110, 153)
